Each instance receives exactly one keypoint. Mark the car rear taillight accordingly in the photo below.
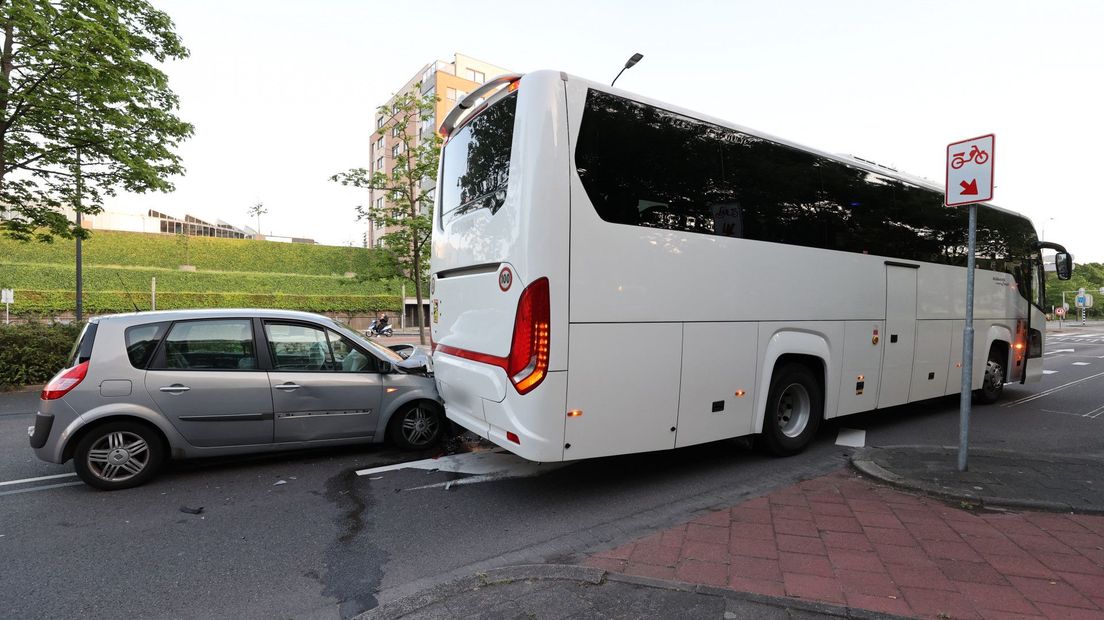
(528, 361)
(64, 381)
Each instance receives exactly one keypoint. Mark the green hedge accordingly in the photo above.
(104, 302)
(33, 352)
(205, 253)
(137, 281)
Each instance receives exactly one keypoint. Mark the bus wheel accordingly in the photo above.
(992, 386)
(795, 404)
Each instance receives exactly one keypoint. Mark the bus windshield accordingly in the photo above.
(475, 165)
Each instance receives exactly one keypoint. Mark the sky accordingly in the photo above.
(282, 93)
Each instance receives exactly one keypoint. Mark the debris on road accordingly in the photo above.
(190, 510)
(279, 482)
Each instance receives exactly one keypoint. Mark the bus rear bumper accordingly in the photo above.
(536, 420)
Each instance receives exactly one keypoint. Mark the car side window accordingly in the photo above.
(222, 344)
(141, 342)
(294, 346)
(348, 357)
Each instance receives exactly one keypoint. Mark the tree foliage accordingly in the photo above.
(407, 187)
(1088, 276)
(84, 110)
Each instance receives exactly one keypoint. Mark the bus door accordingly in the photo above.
(900, 334)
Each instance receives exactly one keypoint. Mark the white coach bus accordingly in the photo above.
(611, 274)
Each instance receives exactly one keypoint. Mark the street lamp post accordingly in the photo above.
(1042, 233)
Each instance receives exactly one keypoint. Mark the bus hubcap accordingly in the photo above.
(793, 410)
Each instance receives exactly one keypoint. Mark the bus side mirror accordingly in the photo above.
(1063, 265)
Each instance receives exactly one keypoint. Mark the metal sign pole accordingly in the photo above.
(967, 348)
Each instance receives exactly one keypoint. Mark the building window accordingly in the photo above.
(450, 93)
(395, 150)
(379, 165)
(395, 131)
(379, 144)
(476, 76)
(379, 123)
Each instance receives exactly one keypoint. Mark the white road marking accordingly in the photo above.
(26, 480)
(1049, 372)
(1059, 351)
(49, 486)
(1052, 390)
(1062, 412)
(1081, 363)
(483, 466)
(854, 438)
(1095, 413)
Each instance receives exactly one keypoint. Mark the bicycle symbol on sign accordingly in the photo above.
(976, 155)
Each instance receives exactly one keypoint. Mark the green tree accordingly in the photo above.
(84, 110)
(258, 210)
(407, 188)
(1088, 276)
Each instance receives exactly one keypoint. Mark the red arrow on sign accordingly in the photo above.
(968, 189)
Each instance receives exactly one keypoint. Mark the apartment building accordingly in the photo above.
(451, 82)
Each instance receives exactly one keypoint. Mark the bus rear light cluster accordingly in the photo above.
(64, 381)
(527, 364)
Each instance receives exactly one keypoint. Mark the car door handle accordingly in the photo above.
(287, 386)
(175, 389)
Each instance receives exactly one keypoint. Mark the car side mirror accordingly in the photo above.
(1063, 265)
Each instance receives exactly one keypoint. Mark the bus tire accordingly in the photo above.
(795, 406)
(992, 385)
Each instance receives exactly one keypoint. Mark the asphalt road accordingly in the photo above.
(328, 543)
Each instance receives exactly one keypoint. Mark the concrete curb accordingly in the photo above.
(596, 576)
(862, 462)
(23, 388)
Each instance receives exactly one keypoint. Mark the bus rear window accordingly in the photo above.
(476, 162)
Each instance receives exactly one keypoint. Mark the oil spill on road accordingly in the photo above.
(354, 566)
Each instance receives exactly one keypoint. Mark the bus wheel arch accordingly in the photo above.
(794, 406)
(996, 373)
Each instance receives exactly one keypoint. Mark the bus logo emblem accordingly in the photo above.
(505, 279)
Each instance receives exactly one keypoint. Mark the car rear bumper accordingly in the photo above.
(54, 424)
(40, 432)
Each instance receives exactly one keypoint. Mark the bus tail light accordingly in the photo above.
(64, 381)
(528, 361)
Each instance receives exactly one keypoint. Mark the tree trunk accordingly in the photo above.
(5, 71)
(416, 255)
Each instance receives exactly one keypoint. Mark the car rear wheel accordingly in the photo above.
(118, 455)
(416, 426)
(795, 404)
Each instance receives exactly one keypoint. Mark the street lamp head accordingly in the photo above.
(635, 58)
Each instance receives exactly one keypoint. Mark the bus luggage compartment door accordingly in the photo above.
(900, 336)
(624, 380)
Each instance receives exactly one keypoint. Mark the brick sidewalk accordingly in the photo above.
(845, 540)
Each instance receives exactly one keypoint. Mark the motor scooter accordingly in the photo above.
(375, 329)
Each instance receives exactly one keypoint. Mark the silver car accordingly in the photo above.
(143, 388)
